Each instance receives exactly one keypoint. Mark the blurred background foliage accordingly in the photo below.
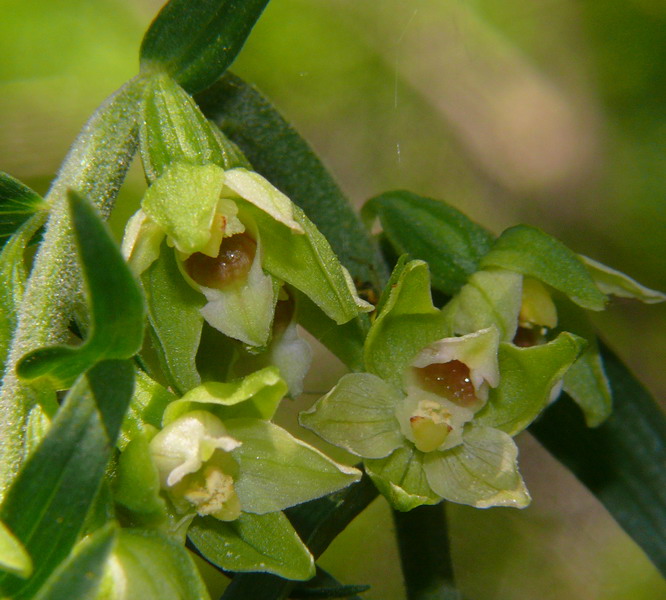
(550, 112)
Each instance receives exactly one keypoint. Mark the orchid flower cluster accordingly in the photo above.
(232, 271)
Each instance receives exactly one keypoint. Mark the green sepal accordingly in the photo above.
(136, 485)
(196, 43)
(400, 478)
(407, 323)
(13, 556)
(308, 263)
(175, 320)
(532, 252)
(256, 396)
(183, 202)
(150, 564)
(276, 470)
(481, 472)
(13, 277)
(490, 297)
(256, 543)
(528, 378)
(146, 409)
(173, 129)
(70, 462)
(432, 231)
(586, 380)
(358, 414)
(616, 283)
(80, 575)
(18, 204)
(117, 310)
(274, 147)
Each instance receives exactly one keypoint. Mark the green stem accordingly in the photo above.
(95, 167)
(423, 541)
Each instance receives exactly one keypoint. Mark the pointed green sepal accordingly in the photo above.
(616, 283)
(276, 470)
(401, 479)
(358, 414)
(482, 472)
(255, 396)
(407, 322)
(529, 377)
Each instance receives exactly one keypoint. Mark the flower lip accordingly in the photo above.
(232, 263)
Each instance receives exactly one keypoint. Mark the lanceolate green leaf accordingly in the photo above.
(12, 281)
(115, 301)
(622, 460)
(281, 155)
(69, 463)
(323, 585)
(17, 204)
(175, 320)
(80, 575)
(260, 543)
(532, 252)
(196, 42)
(615, 283)
(433, 231)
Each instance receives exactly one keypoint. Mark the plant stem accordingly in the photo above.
(95, 167)
(423, 541)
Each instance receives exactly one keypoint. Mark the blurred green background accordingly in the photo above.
(550, 112)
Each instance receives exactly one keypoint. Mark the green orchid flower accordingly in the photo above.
(434, 415)
(221, 472)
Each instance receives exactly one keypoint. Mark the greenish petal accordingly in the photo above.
(183, 202)
(358, 414)
(490, 297)
(13, 556)
(258, 191)
(141, 242)
(532, 252)
(401, 479)
(482, 472)
(307, 262)
(257, 543)
(407, 323)
(616, 283)
(255, 396)
(276, 470)
(528, 377)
